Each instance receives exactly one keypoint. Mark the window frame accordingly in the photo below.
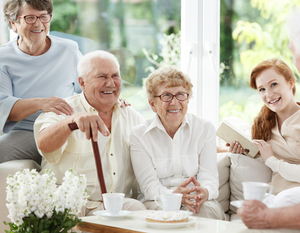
(200, 55)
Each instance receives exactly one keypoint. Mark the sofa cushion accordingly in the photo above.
(244, 168)
(224, 189)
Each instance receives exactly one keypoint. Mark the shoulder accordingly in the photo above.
(195, 121)
(62, 42)
(8, 46)
(141, 128)
(129, 111)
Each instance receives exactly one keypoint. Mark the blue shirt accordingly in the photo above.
(22, 76)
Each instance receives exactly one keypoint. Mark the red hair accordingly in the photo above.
(266, 119)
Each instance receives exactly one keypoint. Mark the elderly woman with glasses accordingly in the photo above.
(175, 152)
(36, 71)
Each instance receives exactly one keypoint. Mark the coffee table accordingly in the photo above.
(134, 223)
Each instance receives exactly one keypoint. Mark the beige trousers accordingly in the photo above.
(128, 204)
(209, 209)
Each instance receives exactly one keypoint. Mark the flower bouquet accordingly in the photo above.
(37, 205)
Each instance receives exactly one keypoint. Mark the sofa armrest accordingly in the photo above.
(223, 161)
(11, 167)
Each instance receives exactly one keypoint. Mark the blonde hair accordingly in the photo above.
(169, 75)
(266, 119)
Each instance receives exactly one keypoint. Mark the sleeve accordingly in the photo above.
(45, 120)
(78, 56)
(208, 170)
(7, 101)
(144, 169)
(288, 171)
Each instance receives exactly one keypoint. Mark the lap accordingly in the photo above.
(128, 204)
(209, 209)
(18, 144)
(287, 197)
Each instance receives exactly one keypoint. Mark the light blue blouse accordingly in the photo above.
(22, 76)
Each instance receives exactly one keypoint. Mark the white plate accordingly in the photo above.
(239, 203)
(186, 212)
(168, 225)
(105, 214)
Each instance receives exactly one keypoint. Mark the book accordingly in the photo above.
(230, 133)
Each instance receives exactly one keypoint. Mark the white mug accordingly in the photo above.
(113, 202)
(170, 202)
(256, 190)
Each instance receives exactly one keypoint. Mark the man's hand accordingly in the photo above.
(88, 123)
(124, 103)
(56, 105)
(253, 214)
(264, 148)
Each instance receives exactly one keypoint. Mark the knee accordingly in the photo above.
(211, 209)
(133, 205)
(287, 198)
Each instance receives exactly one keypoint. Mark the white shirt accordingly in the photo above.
(77, 152)
(161, 163)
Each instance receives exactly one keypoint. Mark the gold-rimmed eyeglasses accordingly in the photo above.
(31, 19)
(167, 97)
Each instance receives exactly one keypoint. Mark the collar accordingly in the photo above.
(156, 123)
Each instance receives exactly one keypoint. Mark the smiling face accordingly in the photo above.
(32, 33)
(274, 90)
(170, 113)
(102, 84)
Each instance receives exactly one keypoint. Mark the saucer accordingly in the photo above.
(239, 203)
(120, 215)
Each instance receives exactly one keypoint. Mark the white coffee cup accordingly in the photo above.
(113, 202)
(170, 202)
(256, 190)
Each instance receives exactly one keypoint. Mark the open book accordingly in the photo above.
(230, 133)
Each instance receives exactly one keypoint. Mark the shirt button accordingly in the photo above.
(114, 173)
(111, 154)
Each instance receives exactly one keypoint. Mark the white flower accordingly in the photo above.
(29, 192)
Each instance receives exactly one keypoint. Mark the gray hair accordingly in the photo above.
(294, 28)
(11, 8)
(84, 65)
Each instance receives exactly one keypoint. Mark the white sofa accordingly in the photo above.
(233, 170)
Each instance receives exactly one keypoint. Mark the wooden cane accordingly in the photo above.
(73, 126)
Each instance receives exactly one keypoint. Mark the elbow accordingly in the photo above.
(42, 145)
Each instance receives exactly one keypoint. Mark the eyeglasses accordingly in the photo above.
(167, 97)
(31, 19)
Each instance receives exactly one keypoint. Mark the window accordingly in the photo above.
(134, 30)
(251, 31)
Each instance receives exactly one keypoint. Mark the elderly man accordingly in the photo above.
(254, 213)
(95, 110)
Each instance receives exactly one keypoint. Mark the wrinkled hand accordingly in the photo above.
(88, 123)
(253, 214)
(235, 147)
(264, 148)
(192, 201)
(202, 194)
(124, 103)
(56, 105)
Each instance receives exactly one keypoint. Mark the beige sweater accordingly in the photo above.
(285, 163)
